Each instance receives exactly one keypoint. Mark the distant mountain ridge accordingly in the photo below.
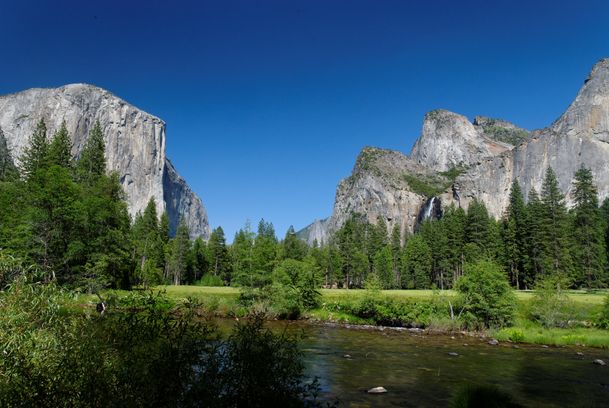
(455, 161)
(135, 144)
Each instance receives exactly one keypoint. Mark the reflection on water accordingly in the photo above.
(418, 371)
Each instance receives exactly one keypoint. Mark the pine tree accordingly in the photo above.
(417, 264)
(56, 219)
(556, 258)
(242, 257)
(8, 171)
(292, 246)
(92, 162)
(534, 239)
(219, 261)
(604, 210)
(353, 242)
(148, 245)
(35, 156)
(60, 148)
(164, 232)
(589, 247)
(396, 250)
(514, 235)
(178, 262)
(383, 267)
(264, 253)
(106, 231)
(199, 258)
(454, 221)
(477, 225)
(378, 238)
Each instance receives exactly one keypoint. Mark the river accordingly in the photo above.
(418, 371)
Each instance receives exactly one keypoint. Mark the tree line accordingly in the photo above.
(535, 239)
(69, 217)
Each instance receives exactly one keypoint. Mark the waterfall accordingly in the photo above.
(432, 209)
(429, 208)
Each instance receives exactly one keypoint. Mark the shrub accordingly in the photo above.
(257, 368)
(10, 268)
(551, 306)
(603, 321)
(485, 296)
(210, 280)
(143, 351)
(516, 335)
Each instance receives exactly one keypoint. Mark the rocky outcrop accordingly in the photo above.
(135, 144)
(457, 160)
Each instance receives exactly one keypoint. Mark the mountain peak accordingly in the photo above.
(588, 114)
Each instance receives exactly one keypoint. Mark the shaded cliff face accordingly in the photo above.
(135, 144)
(457, 160)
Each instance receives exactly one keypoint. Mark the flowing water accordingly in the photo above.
(418, 371)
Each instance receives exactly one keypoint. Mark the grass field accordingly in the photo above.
(200, 292)
(224, 302)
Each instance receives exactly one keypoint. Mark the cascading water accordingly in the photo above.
(428, 208)
(432, 209)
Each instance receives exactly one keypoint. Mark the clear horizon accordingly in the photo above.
(267, 104)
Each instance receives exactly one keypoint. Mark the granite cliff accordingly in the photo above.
(135, 144)
(456, 160)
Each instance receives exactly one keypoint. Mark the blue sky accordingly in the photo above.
(268, 103)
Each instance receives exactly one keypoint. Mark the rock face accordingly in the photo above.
(456, 160)
(135, 144)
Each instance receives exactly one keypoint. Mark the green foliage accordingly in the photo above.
(603, 319)
(144, 351)
(219, 262)
(292, 246)
(416, 264)
(485, 296)
(178, 263)
(60, 148)
(423, 186)
(35, 155)
(257, 368)
(92, 162)
(297, 282)
(588, 247)
(555, 254)
(551, 306)
(429, 186)
(502, 134)
(210, 280)
(241, 255)
(383, 267)
(8, 170)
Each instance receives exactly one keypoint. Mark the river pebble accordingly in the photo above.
(599, 362)
(377, 390)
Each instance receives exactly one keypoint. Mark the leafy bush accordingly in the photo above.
(485, 296)
(256, 368)
(551, 306)
(603, 321)
(10, 268)
(143, 351)
(210, 280)
(516, 335)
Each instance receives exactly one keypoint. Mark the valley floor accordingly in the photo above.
(224, 302)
